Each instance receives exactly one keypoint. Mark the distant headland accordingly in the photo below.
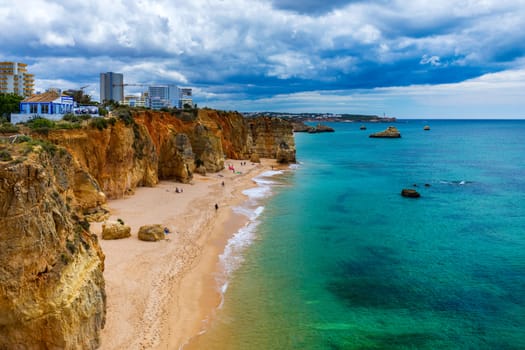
(325, 117)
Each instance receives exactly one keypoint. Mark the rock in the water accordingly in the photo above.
(363, 127)
(302, 127)
(411, 193)
(426, 127)
(322, 128)
(115, 230)
(151, 233)
(390, 132)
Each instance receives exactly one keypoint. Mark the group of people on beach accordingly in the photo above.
(178, 190)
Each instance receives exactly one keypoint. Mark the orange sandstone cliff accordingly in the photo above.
(52, 292)
(140, 148)
(51, 283)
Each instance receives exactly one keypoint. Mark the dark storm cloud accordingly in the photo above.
(313, 7)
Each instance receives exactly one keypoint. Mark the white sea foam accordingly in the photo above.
(258, 192)
(270, 173)
(233, 256)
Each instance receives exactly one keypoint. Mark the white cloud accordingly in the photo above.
(432, 60)
(290, 64)
(237, 42)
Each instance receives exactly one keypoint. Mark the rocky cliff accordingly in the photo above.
(51, 283)
(51, 267)
(139, 148)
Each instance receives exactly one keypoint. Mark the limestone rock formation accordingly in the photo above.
(207, 147)
(120, 157)
(52, 292)
(411, 193)
(302, 127)
(321, 128)
(139, 148)
(115, 230)
(390, 132)
(176, 158)
(272, 138)
(151, 233)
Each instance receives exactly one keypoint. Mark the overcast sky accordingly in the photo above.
(408, 59)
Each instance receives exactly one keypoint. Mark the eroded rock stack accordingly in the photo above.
(390, 132)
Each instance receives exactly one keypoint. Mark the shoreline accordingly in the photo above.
(161, 294)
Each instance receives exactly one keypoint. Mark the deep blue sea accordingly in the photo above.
(336, 258)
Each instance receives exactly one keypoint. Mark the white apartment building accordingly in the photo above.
(14, 79)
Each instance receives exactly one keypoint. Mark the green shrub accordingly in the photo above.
(124, 114)
(70, 117)
(75, 118)
(23, 138)
(6, 128)
(5, 155)
(41, 123)
(99, 123)
(46, 146)
(67, 125)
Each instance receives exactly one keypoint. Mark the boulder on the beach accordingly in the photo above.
(390, 132)
(254, 158)
(151, 233)
(115, 230)
(410, 193)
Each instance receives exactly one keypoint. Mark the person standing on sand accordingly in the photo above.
(216, 206)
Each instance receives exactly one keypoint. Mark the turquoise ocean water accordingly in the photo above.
(335, 258)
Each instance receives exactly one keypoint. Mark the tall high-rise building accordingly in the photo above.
(15, 79)
(162, 96)
(111, 87)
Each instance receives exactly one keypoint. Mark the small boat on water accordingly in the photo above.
(363, 127)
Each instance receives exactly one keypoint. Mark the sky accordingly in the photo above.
(405, 59)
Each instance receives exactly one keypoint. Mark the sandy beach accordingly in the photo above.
(160, 294)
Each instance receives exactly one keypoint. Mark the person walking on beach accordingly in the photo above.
(216, 206)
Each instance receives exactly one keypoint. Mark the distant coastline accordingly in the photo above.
(325, 117)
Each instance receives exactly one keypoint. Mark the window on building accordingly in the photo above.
(45, 109)
(33, 108)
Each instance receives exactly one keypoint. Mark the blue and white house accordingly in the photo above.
(50, 105)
